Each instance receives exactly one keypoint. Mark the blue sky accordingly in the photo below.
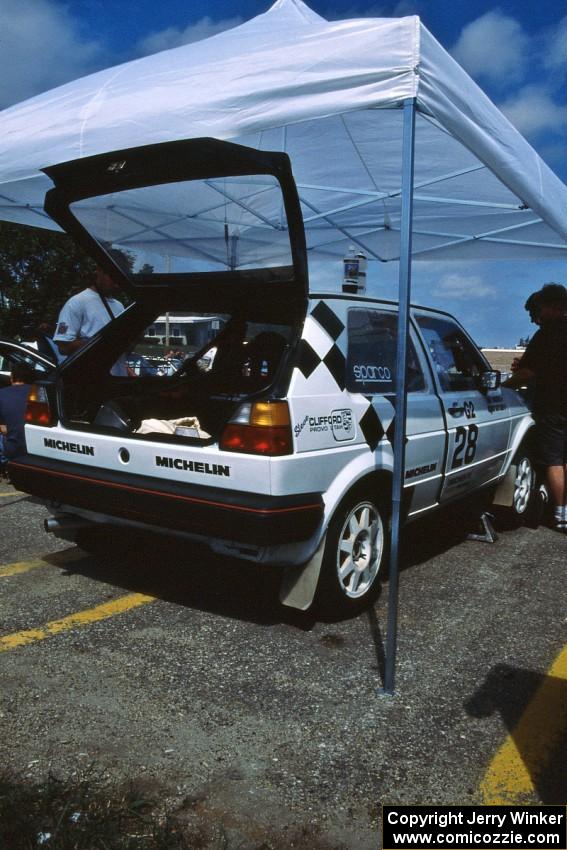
(516, 51)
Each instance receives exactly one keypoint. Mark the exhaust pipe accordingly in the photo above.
(63, 525)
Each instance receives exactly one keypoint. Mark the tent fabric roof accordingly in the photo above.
(329, 94)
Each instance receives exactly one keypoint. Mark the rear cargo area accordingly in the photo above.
(180, 380)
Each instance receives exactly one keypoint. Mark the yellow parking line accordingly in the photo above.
(60, 559)
(21, 567)
(524, 754)
(13, 493)
(81, 618)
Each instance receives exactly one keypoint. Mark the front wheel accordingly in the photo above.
(354, 557)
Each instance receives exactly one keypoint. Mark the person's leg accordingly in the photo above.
(555, 476)
(552, 450)
(3, 458)
(559, 478)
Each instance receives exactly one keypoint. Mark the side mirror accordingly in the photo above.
(490, 380)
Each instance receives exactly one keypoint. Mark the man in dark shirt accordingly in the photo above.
(545, 360)
(13, 400)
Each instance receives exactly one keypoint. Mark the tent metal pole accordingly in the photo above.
(404, 290)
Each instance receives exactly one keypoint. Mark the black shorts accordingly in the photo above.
(551, 433)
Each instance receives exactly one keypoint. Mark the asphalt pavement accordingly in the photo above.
(162, 662)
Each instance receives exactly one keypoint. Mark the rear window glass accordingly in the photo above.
(371, 358)
(193, 226)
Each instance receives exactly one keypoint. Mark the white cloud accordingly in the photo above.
(41, 48)
(532, 110)
(405, 7)
(463, 287)
(555, 55)
(493, 46)
(174, 37)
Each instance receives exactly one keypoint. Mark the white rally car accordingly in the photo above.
(271, 438)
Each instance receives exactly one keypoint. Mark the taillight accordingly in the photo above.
(38, 411)
(262, 428)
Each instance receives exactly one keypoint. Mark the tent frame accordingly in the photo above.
(404, 299)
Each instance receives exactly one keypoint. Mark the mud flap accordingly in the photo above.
(299, 583)
(504, 495)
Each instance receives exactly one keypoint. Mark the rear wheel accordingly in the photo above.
(354, 557)
(527, 501)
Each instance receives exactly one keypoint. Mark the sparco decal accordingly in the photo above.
(64, 446)
(193, 466)
(362, 373)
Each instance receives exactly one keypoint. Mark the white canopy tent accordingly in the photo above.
(289, 80)
(394, 149)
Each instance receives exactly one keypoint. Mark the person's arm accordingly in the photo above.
(525, 368)
(67, 336)
(70, 346)
(520, 378)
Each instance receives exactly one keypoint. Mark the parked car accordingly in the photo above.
(17, 352)
(294, 395)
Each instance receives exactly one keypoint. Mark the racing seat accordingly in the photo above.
(261, 359)
(113, 417)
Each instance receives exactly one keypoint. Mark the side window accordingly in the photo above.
(371, 356)
(457, 362)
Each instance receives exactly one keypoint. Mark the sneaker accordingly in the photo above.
(561, 526)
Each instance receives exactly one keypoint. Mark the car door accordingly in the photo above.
(477, 420)
(13, 352)
(371, 365)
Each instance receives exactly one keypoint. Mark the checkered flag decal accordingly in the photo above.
(371, 427)
(328, 320)
(323, 348)
(322, 345)
(378, 421)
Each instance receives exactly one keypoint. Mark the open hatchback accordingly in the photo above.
(180, 401)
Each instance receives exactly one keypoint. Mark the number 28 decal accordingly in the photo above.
(465, 445)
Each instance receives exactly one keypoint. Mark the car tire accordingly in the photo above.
(527, 501)
(355, 556)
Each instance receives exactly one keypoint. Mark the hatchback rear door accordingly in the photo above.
(193, 216)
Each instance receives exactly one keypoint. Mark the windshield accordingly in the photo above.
(216, 224)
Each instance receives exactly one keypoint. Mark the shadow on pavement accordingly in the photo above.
(84, 812)
(533, 708)
(184, 574)
(189, 575)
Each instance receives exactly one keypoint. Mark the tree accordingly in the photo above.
(39, 270)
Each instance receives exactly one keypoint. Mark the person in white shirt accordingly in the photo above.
(84, 314)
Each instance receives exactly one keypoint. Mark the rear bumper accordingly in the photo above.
(205, 511)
